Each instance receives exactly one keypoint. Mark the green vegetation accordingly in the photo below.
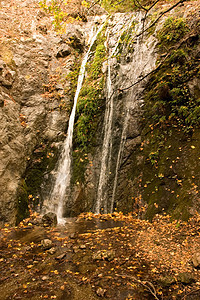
(171, 134)
(89, 108)
(113, 6)
(126, 41)
(168, 93)
(59, 10)
(54, 9)
(43, 161)
(117, 6)
(173, 30)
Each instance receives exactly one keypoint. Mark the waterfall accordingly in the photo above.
(135, 75)
(142, 62)
(107, 145)
(107, 140)
(62, 183)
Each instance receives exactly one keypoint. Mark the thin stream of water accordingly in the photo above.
(137, 58)
(107, 140)
(61, 187)
(141, 64)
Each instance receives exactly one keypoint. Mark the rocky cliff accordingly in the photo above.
(152, 165)
(34, 107)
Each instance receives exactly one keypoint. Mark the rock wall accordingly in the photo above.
(34, 109)
(158, 168)
(153, 165)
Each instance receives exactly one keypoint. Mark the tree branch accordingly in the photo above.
(163, 13)
(146, 284)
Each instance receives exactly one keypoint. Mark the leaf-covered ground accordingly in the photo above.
(101, 257)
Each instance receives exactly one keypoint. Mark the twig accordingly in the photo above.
(163, 13)
(138, 4)
(161, 63)
(93, 4)
(184, 297)
(146, 284)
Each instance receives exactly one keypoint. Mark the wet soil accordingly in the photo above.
(100, 257)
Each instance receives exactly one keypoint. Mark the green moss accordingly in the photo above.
(173, 30)
(112, 6)
(89, 109)
(126, 42)
(41, 162)
(168, 96)
(170, 183)
(72, 78)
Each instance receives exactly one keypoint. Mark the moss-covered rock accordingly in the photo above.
(170, 137)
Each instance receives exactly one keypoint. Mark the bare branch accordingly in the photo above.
(163, 13)
(93, 4)
(138, 4)
(146, 284)
(153, 5)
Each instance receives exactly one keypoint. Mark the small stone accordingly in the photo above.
(166, 281)
(109, 255)
(97, 255)
(60, 257)
(196, 259)
(82, 247)
(73, 236)
(100, 292)
(76, 249)
(46, 244)
(104, 255)
(52, 250)
(45, 278)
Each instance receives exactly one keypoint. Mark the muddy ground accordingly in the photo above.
(101, 257)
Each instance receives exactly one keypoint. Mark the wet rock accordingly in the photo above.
(166, 281)
(196, 259)
(104, 255)
(52, 250)
(82, 247)
(186, 278)
(46, 244)
(60, 257)
(49, 219)
(100, 292)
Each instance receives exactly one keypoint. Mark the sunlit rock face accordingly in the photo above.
(34, 113)
(130, 163)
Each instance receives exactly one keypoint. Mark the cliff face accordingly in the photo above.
(152, 165)
(33, 108)
(153, 155)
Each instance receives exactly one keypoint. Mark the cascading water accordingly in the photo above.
(108, 120)
(106, 145)
(143, 61)
(62, 184)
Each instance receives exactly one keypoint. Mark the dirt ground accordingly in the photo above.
(101, 257)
